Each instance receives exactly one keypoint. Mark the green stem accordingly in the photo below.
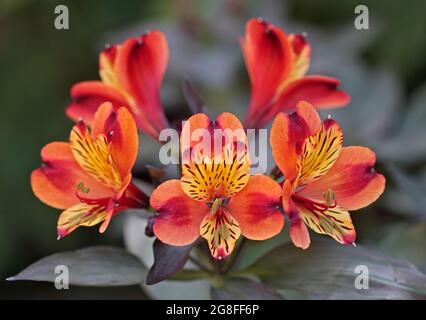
(235, 256)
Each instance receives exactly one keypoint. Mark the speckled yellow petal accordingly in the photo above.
(221, 231)
(94, 156)
(319, 152)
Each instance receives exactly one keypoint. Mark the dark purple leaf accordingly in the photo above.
(168, 260)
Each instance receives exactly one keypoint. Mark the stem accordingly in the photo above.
(236, 255)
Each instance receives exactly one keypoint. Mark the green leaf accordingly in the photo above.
(244, 289)
(327, 270)
(93, 266)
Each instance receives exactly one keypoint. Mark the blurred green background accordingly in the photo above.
(383, 68)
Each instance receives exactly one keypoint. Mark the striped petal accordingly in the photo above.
(335, 222)
(221, 231)
(180, 217)
(288, 134)
(352, 179)
(319, 152)
(94, 156)
(206, 179)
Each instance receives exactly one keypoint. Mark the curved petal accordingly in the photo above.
(60, 179)
(335, 222)
(269, 59)
(87, 96)
(81, 214)
(256, 208)
(288, 134)
(320, 91)
(140, 66)
(120, 128)
(352, 179)
(179, 216)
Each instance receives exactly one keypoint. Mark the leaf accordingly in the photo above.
(93, 266)
(168, 260)
(326, 270)
(193, 98)
(244, 289)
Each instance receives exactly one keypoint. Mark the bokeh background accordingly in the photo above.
(383, 68)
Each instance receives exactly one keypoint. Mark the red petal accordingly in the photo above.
(87, 96)
(256, 208)
(269, 59)
(179, 217)
(320, 91)
(352, 179)
(288, 133)
(60, 178)
(140, 66)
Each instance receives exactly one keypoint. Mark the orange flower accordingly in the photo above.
(216, 197)
(277, 64)
(90, 177)
(131, 75)
(323, 180)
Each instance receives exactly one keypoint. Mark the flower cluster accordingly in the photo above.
(315, 184)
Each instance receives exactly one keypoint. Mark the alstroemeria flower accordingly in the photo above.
(277, 64)
(216, 197)
(131, 75)
(90, 177)
(323, 180)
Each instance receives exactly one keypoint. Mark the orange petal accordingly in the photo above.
(140, 66)
(269, 59)
(60, 179)
(87, 96)
(179, 216)
(120, 128)
(352, 179)
(288, 134)
(299, 233)
(256, 208)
